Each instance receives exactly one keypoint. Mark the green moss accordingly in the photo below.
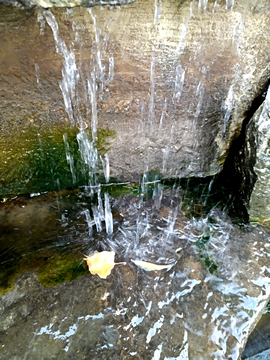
(210, 264)
(51, 270)
(7, 279)
(267, 309)
(203, 240)
(203, 254)
(117, 190)
(61, 269)
(35, 161)
(103, 143)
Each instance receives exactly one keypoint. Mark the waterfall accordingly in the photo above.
(94, 79)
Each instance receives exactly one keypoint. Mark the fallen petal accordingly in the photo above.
(101, 263)
(150, 266)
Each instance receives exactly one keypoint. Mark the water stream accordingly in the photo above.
(216, 285)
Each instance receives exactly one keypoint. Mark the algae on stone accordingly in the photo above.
(35, 161)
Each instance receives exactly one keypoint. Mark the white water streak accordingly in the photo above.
(152, 332)
(202, 4)
(229, 4)
(108, 215)
(111, 68)
(70, 75)
(69, 158)
(179, 82)
(182, 41)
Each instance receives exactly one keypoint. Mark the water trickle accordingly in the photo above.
(37, 73)
(202, 4)
(229, 102)
(89, 221)
(100, 67)
(158, 8)
(70, 74)
(69, 158)
(108, 215)
(151, 114)
(106, 167)
(179, 82)
(111, 68)
(93, 81)
(89, 154)
(182, 42)
(237, 35)
(41, 21)
(199, 94)
(229, 4)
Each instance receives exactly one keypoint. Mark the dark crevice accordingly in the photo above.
(230, 190)
(237, 179)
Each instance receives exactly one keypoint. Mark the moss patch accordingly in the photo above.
(50, 270)
(203, 254)
(36, 161)
(60, 269)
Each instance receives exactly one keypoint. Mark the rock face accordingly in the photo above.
(62, 3)
(172, 81)
(260, 125)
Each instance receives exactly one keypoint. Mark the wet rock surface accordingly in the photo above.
(204, 307)
(258, 342)
(62, 3)
(173, 81)
(259, 204)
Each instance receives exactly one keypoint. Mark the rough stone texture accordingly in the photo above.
(259, 208)
(174, 128)
(62, 3)
(261, 356)
(184, 312)
(258, 343)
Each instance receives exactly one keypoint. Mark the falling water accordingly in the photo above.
(71, 75)
(69, 158)
(229, 4)
(151, 115)
(179, 82)
(202, 4)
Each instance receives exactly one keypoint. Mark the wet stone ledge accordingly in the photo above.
(194, 310)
